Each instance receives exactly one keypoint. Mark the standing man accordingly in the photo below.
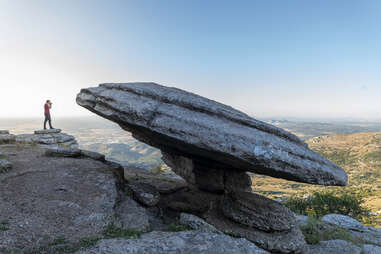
(47, 107)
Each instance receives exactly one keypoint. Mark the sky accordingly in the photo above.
(268, 58)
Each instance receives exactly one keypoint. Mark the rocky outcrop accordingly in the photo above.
(48, 138)
(186, 242)
(46, 198)
(209, 133)
(212, 146)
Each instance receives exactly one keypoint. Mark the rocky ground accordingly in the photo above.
(60, 199)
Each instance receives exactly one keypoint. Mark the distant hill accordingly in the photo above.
(359, 154)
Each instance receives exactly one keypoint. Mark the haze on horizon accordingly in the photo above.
(291, 58)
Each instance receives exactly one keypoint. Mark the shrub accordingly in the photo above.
(344, 201)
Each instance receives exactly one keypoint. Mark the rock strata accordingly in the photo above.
(48, 138)
(212, 146)
(257, 212)
(146, 194)
(207, 132)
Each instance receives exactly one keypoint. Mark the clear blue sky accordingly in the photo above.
(268, 58)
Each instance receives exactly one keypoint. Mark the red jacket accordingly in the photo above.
(47, 109)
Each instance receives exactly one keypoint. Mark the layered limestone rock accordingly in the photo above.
(207, 132)
(48, 138)
(212, 146)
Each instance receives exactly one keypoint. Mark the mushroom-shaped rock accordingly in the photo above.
(210, 133)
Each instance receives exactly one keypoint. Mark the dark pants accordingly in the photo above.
(48, 119)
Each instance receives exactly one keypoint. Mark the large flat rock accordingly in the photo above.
(208, 132)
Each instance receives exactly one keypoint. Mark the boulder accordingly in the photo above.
(335, 247)
(185, 242)
(145, 194)
(371, 249)
(344, 222)
(63, 152)
(291, 241)
(5, 166)
(4, 132)
(256, 211)
(196, 223)
(209, 133)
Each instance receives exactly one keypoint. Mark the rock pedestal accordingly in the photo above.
(212, 146)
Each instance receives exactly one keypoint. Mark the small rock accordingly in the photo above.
(335, 247)
(145, 194)
(63, 152)
(185, 242)
(47, 131)
(371, 249)
(5, 166)
(344, 222)
(197, 223)
(93, 155)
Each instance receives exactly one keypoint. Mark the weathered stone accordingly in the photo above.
(205, 178)
(196, 223)
(46, 198)
(257, 211)
(335, 247)
(235, 180)
(131, 215)
(344, 222)
(93, 155)
(291, 241)
(7, 139)
(301, 220)
(63, 152)
(47, 131)
(5, 166)
(185, 242)
(210, 133)
(145, 194)
(371, 249)
(4, 132)
(48, 140)
(164, 184)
